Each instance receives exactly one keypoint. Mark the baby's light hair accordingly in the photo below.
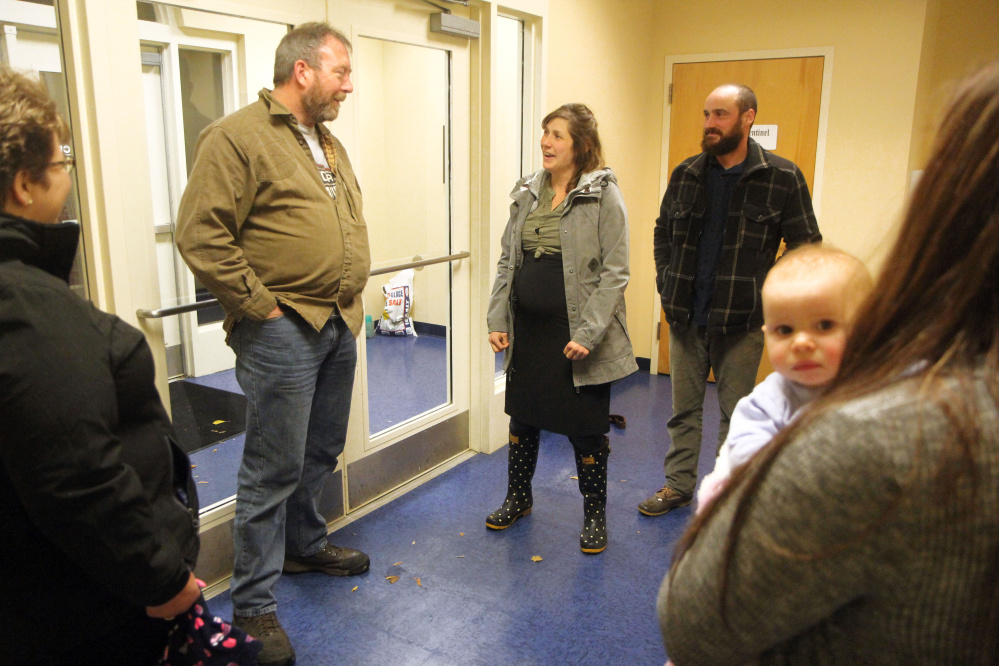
(814, 259)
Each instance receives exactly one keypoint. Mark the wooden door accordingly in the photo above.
(788, 93)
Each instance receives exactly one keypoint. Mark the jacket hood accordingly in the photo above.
(589, 182)
(50, 247)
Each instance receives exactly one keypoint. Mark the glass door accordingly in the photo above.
(188, 81)
(408, 211)
(513, 158)
(32, 42)
(195, 69)
(410, 117)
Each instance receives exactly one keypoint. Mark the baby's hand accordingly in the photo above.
(711, 487)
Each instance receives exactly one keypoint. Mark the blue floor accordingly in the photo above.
(480, 598)
(407, 376)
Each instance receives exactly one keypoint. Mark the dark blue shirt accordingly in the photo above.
(718, 185)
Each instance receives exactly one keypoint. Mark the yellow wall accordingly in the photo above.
(612, 55)
(601, 53)
(960, 36)
(875, 68)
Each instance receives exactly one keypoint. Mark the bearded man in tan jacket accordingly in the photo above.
(271, 224)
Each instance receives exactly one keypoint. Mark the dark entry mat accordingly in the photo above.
(203, 415)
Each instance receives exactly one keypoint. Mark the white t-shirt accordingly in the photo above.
(311, 135)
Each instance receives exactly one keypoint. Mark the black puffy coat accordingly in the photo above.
(98, 513)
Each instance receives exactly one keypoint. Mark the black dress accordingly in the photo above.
(539, 388)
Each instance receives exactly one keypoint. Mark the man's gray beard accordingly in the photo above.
(319, 110)
(723, 146)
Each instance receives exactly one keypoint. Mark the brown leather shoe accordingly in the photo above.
(330, 560)
(663, 501)
(266, 629)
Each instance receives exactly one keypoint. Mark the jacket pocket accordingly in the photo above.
(183, 487)
(758, 223)
(275, 168)
(680, 214)
(683, 246)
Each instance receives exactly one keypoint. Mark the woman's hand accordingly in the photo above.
(180, 603)
(575, 352)
(499, 341)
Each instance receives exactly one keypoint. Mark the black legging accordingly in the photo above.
(583, 444)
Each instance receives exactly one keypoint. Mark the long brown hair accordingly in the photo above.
(933, 313)
(587, 154)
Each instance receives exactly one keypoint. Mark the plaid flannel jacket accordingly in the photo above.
(770, 202)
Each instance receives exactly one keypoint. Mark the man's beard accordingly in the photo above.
(724, 145)
(321, 108)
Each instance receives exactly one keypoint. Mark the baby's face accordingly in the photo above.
(806, 328)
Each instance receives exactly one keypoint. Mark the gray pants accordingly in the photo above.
(692, 354)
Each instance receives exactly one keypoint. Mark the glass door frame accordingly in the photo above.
(203, 345)
(451, 417)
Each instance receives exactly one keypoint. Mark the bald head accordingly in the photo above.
(743, 96)
(729, 112)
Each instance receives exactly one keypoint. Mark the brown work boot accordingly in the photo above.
(330, 560)
(663, 501)
(266, 629)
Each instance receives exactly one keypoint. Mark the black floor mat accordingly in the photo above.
(203, 415)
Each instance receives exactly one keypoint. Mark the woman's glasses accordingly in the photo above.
(66, 164)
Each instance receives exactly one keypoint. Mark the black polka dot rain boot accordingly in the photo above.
(592, 470)
(520, 471)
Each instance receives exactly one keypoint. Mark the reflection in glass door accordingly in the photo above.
(191, 71)
(403, 117)
(31, 42)
(511, 159)
(189, 83)
(200, 104)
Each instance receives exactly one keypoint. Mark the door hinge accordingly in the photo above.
(659, 330)
(670, 94)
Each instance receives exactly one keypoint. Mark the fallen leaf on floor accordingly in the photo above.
(574, 477)
(459, 556)
(391, 579)
(624, 480)
(461, 534)
(217, 422)
(414, 543)
(418, 582)
(397, 564)
(536, 558)
(193, 466)
(214, 450)
(355, 589)
(202, 482)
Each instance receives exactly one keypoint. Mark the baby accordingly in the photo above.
(810, 297)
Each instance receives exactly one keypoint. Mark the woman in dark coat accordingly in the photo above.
(99, 515)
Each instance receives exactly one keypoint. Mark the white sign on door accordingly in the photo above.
(765, 135)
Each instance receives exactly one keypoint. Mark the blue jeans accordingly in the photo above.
(692, 354)
(298, 384)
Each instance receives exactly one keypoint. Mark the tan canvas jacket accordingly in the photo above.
(257, 226)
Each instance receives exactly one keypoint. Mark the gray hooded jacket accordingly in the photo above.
(594, 236)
